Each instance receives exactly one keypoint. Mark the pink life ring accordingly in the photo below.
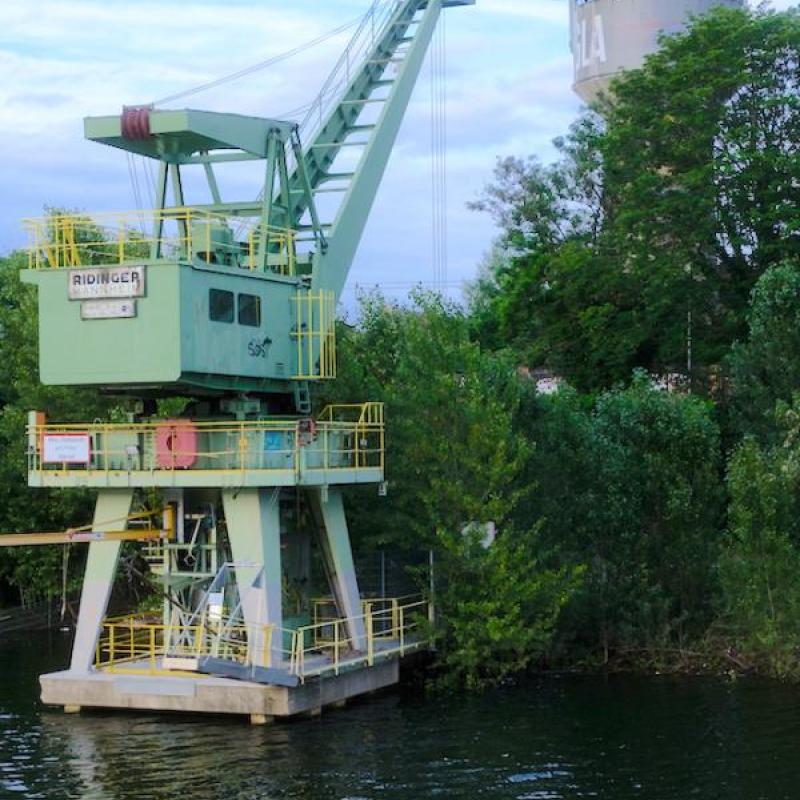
(176, 444)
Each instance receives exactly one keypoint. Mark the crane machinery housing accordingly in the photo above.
(230, 304)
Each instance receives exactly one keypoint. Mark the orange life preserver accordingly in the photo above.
(176, 444)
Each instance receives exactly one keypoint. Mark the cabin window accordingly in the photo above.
(220, 305)
(250, 310)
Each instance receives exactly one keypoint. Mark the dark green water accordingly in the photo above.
(556, 738)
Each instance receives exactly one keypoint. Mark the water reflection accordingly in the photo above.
(560, 738)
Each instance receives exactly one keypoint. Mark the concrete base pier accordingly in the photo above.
(203, 694)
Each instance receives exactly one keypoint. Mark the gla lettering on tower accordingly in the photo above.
(589, 45)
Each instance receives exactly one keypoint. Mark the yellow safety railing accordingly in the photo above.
(69, 241)
(315, 331)
(276, 446)
(137, 644)
(365, 429)
(387, 628)
(384, 630)
(161, 555)
(385, 611)
(361, 413)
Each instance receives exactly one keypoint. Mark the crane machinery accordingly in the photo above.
(229, 304)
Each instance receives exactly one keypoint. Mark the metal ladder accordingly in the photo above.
(379, 47)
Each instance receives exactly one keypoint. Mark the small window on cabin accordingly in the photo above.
(250, 310)
(220, 305)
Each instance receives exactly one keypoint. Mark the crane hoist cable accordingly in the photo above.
(375, 5)
(438, 80)
(242, 73)
(134, 165)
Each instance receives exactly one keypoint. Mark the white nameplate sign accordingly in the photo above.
(66, 448)
(103, 282)
(108, 309)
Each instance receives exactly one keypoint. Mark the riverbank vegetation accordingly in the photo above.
(653, 272)
(647, 511)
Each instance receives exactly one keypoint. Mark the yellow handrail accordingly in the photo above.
(134, 645)
(339, 441)
(315, 332)
(68, 241)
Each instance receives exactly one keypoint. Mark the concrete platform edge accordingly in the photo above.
(210, 695)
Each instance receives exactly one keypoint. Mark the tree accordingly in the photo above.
(760, 601)
(453, 464)
(700, 157)
(451, 451)
(38, 571)
(763, 371)
(628, 484)
(540, 207)
(543, 211)
(640, 247)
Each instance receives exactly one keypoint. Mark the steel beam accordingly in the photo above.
(327, 507)
(80, 537)
(112, 506)
(254, 530)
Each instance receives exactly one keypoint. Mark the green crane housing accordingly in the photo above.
(229, 297)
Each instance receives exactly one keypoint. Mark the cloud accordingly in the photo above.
(84, 57)
(544, 10)
(509, 76)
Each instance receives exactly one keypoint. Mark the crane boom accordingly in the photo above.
(399, 48)
(256, 281)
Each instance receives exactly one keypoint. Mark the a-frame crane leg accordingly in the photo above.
(328, 510)
(253, 520)
(111, 513)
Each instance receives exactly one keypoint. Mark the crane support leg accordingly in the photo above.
(101, 566)
(254, 531)
(328, 509)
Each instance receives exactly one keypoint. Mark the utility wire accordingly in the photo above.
(242, 73)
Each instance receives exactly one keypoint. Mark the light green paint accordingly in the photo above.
(111, 512)
(177, 135)
(253, 521)
(172, 345)
(327, 506)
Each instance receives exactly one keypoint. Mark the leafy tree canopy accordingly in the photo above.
(641, 245)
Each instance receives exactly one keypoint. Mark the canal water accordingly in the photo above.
(617, 738)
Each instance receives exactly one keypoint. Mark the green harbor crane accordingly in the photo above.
(230, 304)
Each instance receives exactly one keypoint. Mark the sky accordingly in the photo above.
(508, 85)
